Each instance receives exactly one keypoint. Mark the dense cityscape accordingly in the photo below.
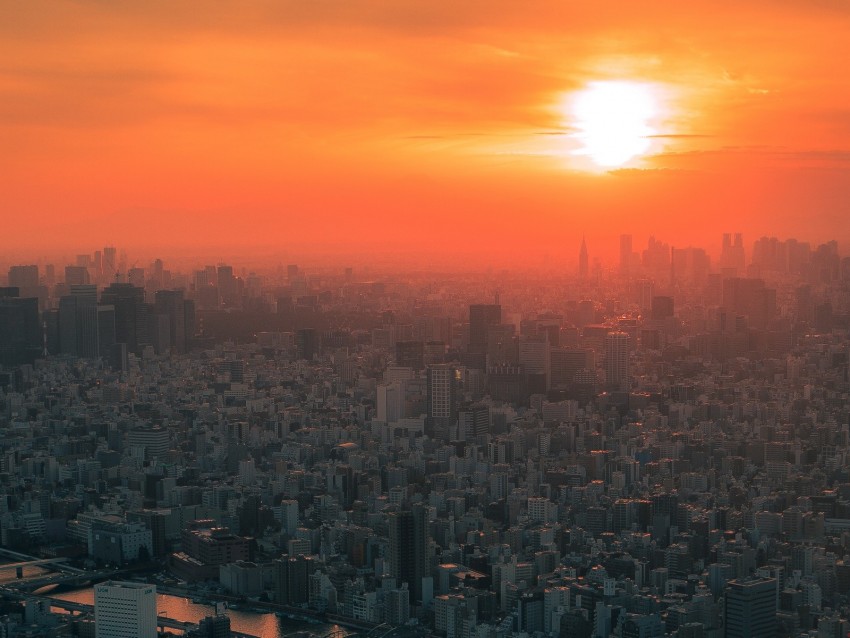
(658, 447)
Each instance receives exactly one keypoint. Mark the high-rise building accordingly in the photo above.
(131, 315)
(307, 344)
(109, 264)
(583, 260)
(20, 331)
(410, 354)
(23, 276)
(291, 579)
(170, 303)
(408, 545)
(481, 318)
(76, 275)
(124, 610)
(750, 609)
(442, 399)
(227, 285)
(732, 255)
(78, 322)
(617, 360)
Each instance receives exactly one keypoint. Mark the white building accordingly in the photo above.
(124, 610)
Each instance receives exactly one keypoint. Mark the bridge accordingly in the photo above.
(25, 560)
(162, 622)
(67, 605)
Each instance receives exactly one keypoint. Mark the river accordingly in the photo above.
(264, 625)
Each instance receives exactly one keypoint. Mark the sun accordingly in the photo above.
(614, 121)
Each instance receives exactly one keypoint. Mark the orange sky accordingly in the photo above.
(380, 124)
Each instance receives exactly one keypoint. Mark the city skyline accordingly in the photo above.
(415, 319)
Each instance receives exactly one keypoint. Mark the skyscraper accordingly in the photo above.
(131, 315)
(481, 318)
(750, 609)
(124, 610)
(291, 579)
(617, 360)
(442, 400)
(408, 545)
(583, 261)
(20, 331)
(78, 318)
(170, 303)
(76, 275)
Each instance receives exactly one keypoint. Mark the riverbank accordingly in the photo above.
(257, 623)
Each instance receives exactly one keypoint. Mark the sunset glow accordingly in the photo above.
(613, 121)
(378, 124)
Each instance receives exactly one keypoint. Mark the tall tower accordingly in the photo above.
(131, 315)
(171, 304)
(408, 546)
(750, 608)
(442, 400)
(617, 360)
(583, 260)
(124, 610)
(481, 317)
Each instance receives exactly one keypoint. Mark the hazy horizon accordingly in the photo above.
(488, 129)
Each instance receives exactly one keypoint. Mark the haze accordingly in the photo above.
(413, 128)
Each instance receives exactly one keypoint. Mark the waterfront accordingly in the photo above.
(264, 625)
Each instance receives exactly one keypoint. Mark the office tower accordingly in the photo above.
(750, 609)
(408, 546)
(481, 318)
(20, 330)
(105, 330)
(78, 322)
(68, 325)
(158, 273)
(170, 304)
(131, 315)
(390, 402)
(86, 320)
(124, 610)
(398, 606)
(617, 360)
(732, 254)
(625, 254)
(442, 400)
(689, 265)
(227, 285)
(76, 275)
(473, 421)
(533, 355)
(410, 354)
(583, 260)
(750, 298)
(25, 278)
(564, 363)
(307, 343)
(291, 579)
(109, 263)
